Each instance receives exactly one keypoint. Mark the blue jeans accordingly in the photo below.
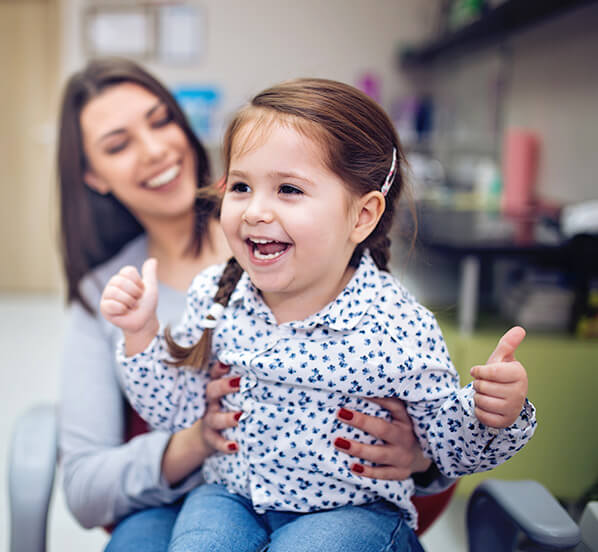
(148, 530)
(214, 520)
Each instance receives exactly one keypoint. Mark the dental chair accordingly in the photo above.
(498, 512)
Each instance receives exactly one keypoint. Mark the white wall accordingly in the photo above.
(249, 45)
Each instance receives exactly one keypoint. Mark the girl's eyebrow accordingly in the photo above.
(273, 174)
(119, 130)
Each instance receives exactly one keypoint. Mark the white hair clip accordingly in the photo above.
(211, 319)
(390, 177)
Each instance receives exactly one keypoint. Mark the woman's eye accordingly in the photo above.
(161, 117)
(240, 187)
(288, 189)
(111, 150)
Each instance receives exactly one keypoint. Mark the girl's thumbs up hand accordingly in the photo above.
(501, 384)
(130, 300)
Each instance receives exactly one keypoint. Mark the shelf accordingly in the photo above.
(490, 29)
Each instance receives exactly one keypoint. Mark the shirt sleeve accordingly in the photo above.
(443, 414)
(166, 396)
(105, 479)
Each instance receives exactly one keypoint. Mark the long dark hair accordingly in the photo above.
(359, 142)
(94, 227)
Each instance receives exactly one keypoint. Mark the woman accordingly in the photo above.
(129, 167)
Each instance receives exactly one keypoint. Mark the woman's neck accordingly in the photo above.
(169, 243)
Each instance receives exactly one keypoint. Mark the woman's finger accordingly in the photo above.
(218, 388)
(374, 426)
(378, 454)
(219, 420)
(396, 407)
(391, 473)
(219, 443)
(219, 370)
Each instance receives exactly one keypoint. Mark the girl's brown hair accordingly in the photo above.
(357, 139)
(94, 227)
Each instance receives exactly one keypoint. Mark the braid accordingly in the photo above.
(197, 355)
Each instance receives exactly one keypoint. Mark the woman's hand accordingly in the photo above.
(189, 447)
(398, 458)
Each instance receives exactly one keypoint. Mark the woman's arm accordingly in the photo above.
(105, 478)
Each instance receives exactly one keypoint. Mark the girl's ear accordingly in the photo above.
(96, 183)
(370, 208)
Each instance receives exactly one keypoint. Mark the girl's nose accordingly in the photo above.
(258, 210)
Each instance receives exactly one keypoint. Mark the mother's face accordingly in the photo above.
(136, 151)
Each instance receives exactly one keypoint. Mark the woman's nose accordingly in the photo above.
(152, 146)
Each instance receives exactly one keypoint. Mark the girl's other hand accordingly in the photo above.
(398, 457)
(129, 301)
(501, 384)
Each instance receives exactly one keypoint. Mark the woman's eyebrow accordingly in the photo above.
(120, 130)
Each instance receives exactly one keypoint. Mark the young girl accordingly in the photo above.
(310, 317)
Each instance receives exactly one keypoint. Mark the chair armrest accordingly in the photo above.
(31, 469)
(498, 510)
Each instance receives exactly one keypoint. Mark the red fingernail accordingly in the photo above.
(223, 366)
(232, 446)
(235, 382)
(238, 415)
(345, 414)
(357, 468)
(342, 443)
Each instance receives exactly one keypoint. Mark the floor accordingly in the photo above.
(31, 328)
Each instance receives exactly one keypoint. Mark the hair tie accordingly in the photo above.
(390, 177)
(211, 319)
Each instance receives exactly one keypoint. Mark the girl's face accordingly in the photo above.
(137, 152)
(288, 219)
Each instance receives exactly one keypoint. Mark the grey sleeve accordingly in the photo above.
(104, 478)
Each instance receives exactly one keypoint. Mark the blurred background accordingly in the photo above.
(496, 104)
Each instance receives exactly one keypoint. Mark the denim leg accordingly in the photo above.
(148, 530)
(377, 527)
(214, 520)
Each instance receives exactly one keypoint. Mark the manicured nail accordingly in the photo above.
(345, 414)
(342, 443)
(235, 382)
(238, 416)
(357, 468)
(232, 446)
(223, 366)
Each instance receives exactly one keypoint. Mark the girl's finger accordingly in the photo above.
(117, 294)
(390, 473)
(135, 289)
(113, 308)
(491, 388)
(131, 273)
(501, 372)
(374, 426)
(218, 388)
(490, 419)
(488, 404)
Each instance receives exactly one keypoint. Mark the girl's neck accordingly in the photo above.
(289, 307)
(169, 242)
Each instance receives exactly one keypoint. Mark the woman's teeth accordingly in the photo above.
(164, 177)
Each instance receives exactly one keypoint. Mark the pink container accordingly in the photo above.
(521, 150)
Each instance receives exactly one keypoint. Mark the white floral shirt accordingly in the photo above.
(374, 340)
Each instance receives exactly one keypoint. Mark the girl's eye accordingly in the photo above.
(288, 189)
(239, 187)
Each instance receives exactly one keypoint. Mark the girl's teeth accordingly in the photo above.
(267, 256)
(165, 177)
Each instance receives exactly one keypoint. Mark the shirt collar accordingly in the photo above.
(344, 313)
